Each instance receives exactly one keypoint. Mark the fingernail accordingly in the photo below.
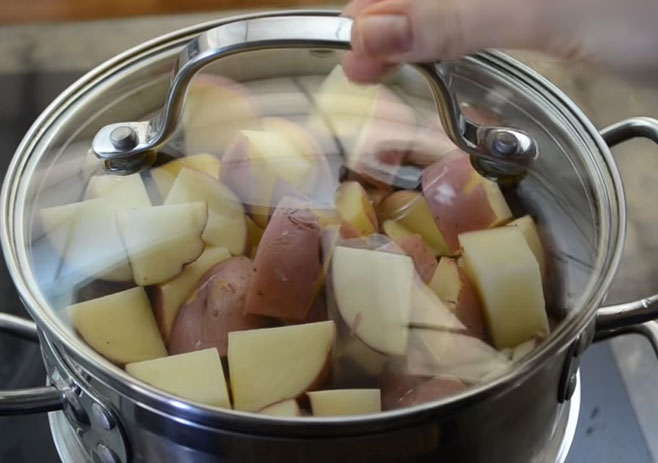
(384, 35)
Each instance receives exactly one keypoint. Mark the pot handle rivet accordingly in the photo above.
(103, 454)
(102, 417)
(123, 138)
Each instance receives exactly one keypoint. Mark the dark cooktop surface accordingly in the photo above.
(608, 430)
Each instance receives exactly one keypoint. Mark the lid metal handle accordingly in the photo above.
(498, 151)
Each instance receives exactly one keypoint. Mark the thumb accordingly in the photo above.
(397, 31)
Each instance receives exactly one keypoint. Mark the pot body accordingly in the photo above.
(513, 425)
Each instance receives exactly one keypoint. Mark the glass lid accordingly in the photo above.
(306, 246)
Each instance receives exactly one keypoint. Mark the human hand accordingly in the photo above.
(617, 35)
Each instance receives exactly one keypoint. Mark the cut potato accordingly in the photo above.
(415, 247)
(374, 127)
(354, 206)
(120, 327)
(85, 234)
(287, 265)
(452, 286)
(160, 240)
(264, 166)
(216, 308)
(226, 225)
(443, 353)
(169, 296)
(394, 230)
(165, 175)
(409, 209)
(285, 408)
(429, 312)
(196, 376)
(216, 108)
(461, 200)
(341, 402)
(123, 192)
(373, 294)
(529, 230)
(506, 274)
(273, 364)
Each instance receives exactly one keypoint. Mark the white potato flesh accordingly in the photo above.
(160, 240)
(506, 274)
(285, 408)
(341, 402)
(123, 192)
(273, 364)
(372, 290)
(528, 227)
(120, 327)
(196, 376)
(87, 238)
(226, 225)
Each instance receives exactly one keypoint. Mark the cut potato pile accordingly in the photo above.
(265, 273)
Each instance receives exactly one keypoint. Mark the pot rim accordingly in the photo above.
(78, 353)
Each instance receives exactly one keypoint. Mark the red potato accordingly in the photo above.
(416, 248)
(287, 265)
(355, 208)
(400, 390)
(215, 309)
(265, 166)
(372, 124)
(317, 312)
(450, 283)
(405, 212)
(215, 110)
(461, 200)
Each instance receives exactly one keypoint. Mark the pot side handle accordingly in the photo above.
(32, 400)
(637, 317)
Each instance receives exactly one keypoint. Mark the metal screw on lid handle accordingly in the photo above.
(499, 151)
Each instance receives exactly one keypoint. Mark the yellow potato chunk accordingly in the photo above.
(506, 274)
(340, 402)
(120, 327)
(197, 376)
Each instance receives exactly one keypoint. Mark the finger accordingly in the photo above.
(363, 69)
(425, 30)
(354, 7)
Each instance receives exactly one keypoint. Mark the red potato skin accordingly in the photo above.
(287, 264)
(424, 261)
(347, 230)
(317, 313)
(216, 309)
(468, 308)
(400, 390)
(456, 206)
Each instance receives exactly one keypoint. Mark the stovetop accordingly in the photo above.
(608, 429)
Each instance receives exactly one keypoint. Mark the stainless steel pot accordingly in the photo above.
(573, 187)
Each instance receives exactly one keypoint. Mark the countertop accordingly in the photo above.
(76, 47)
